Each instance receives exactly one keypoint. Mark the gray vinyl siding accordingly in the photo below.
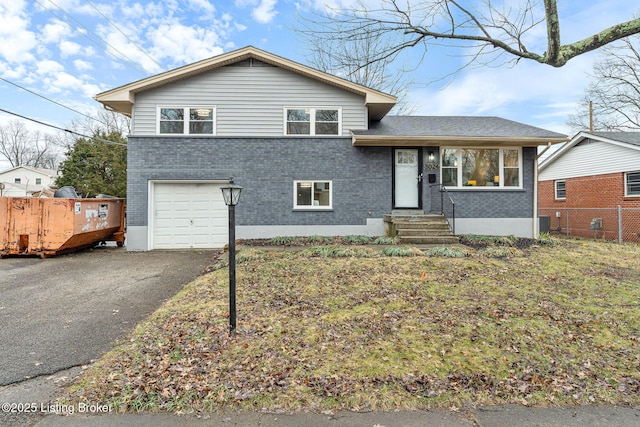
(267, 168)
(249, 100)
(592, 157)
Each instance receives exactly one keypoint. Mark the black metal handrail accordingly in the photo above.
(451, 219)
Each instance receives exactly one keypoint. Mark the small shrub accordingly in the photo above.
(546, 239)
(249, 255)
(357, 239)
(283, 240)
(333, 251)
(401, 251)
(385, 240)
(490, 240)
(315, 239)
(501, 252)
(448, 252)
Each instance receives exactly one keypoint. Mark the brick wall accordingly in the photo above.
(595, 191)
(266, 168)
(588, 198)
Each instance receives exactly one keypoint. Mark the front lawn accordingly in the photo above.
(348, 327)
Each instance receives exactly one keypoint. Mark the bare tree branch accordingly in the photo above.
(22, 147)
(614, 91)
(491, 29)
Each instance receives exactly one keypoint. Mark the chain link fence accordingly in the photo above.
(621, 224)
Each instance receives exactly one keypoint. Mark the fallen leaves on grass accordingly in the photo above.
(379, 333)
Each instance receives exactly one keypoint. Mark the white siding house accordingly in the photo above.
(23, 181)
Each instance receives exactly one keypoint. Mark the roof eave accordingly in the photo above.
(451, 141)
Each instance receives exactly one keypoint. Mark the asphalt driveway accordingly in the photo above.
(66, 311)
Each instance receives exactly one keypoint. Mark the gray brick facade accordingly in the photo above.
(267, 168)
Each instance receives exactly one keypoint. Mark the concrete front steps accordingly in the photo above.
(419, 229)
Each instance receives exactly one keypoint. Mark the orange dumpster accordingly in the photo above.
(50, 226)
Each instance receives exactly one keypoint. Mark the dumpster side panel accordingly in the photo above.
(56, 223)
(4, 225)
(24, 225)
(94, 220)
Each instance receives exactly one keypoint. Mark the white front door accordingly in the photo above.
(407, 182)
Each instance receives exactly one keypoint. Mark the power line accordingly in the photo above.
(51, 100)
(64, 130)
(121, 32)
(130, 61)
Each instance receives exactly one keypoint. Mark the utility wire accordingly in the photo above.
(51, 100)
(121, 32)
(64, 130)
(139, 68)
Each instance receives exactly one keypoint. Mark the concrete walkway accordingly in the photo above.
(499, 416)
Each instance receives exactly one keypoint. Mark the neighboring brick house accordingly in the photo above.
(316, 155)
(587, 179)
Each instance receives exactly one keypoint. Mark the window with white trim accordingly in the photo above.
(187, 120)
(312, 121)
(481, 167)
(17, 181)
(632, 184)
(560, 189)
(312, 195)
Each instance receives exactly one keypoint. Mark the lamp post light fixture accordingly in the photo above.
(231, 194)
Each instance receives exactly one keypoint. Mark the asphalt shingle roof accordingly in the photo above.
(462, 126)
(626, 137)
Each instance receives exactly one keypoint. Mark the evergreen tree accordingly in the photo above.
(95, 167)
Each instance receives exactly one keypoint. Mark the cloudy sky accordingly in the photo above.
(70, 50)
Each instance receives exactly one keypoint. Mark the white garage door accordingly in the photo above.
(188, 215)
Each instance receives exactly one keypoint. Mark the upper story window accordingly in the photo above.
(17, 180)
(186, 120)
(312, 121)
(632, 184)
(560, 189)
(38, 181)
(481, 167)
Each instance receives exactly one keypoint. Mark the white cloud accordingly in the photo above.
(17, 40)
(69, 48)
(54, 32)
(183, 44)
(48, 66)
(265, 12)
(202, 5)
(82, 65)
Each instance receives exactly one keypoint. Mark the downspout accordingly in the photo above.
(535, 191)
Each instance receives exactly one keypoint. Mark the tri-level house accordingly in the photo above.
(316, 155)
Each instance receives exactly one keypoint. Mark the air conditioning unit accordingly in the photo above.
(596, 224)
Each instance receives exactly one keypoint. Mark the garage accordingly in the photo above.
(187, 215)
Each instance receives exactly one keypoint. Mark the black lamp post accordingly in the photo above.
(231, 194)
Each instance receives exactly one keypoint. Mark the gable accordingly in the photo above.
(590, 156)
(249, 98)
(122, 99)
